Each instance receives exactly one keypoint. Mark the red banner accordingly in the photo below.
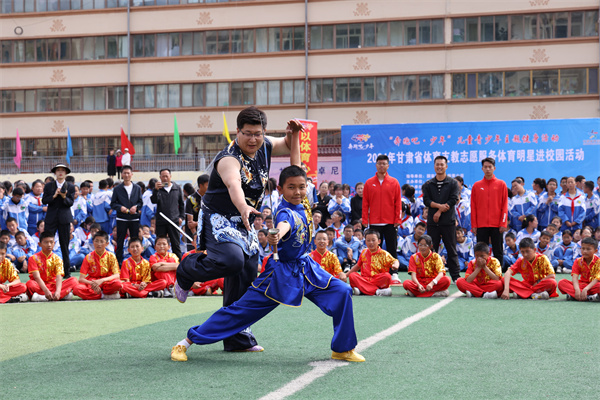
(308, 148)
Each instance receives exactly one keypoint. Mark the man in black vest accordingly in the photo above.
(168, 198)
(127, 202)
(59, 196)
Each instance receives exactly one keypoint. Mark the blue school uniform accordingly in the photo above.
(79, 210)
(463, 214)
(100, 209)
(548, 251)
(568, 254)
(521, 205)
(572, 209)
(465, 253)
(18, 211)
(340, 248)
(592, 209)
(36, 212)
(333, 206)
(406, 227)
(545, 212)
(407, 248)
(522, 234)
(286, 282)
(148, 208)
(510, 256)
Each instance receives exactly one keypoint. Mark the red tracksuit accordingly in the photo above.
(49, 268)
(97, 267)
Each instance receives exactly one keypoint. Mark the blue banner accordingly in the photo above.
(531, 149)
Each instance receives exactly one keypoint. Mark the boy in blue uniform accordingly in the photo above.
(285, 281)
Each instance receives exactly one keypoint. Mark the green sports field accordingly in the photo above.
(466, 349)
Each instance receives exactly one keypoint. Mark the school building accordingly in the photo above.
(89, 67)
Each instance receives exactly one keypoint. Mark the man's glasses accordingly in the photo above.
(252, 135)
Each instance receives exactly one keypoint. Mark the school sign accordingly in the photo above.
(531, 149)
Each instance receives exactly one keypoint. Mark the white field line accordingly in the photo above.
(322, 368)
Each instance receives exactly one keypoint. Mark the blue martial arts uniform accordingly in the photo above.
(286, 282)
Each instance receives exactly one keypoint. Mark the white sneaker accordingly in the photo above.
(514, 295)
(566, 271)
(559, 270)
(469, 294)
(113, 296)
(383, 292)
(38, 297)
(69, 296)
(167, 293)
(441, 293)
(355, 291)
(24, 297)
(594, 297)
(395, 280)
(540, 296)
(410, 294)
(490, 295)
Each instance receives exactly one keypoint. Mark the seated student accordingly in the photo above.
(543, 247)
(358, 234)
(556, 235)
(16, 207)
(88, 246)
(585, 284)
(83, 232)
(258, 223)
(46, 274)
(539, 280)
(325, 258)
(463, 214)
(422, 218)
(346, 248)
(521, 204)
(409, 246)
(338, 224)
(566, 253)
(5, 238)
(427, 272)
(339, 203)
(35, 238)
(285, 282)
(464, 248)
(22, 250)
(14, 290)
(148, 235)
(79, 208)
(204, 288)
(264, 249)
(101, 206)
(13, 228)
(511, 251)
(99, 277)
(164, 264)
(530, 224)
(407, 224)
(375, 265)
(75, 255)
(484, 275)
(269, 222)
(592, 205)
(330, 238)
(136, 274)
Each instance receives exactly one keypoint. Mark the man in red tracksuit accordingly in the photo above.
(382, 203)
(489, 208)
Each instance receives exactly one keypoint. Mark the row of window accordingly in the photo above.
(551, 82)
(341, 36)
(575, 81)
(525, 27)
(28, 6)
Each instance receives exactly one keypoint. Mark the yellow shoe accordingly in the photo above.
(178, 353)
(347, 356)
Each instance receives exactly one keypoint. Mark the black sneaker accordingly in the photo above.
(15, 299)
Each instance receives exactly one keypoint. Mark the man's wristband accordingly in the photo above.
(435, 282)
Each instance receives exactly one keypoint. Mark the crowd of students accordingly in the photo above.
(551, 231)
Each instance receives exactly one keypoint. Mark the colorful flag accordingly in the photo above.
(19, 151)
(126, 144)
(69, 147)
(176, 141)
(308, 148)
(225, 130)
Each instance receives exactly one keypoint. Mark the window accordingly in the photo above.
(573, 81)
(518, 83)
(490, 84)
(198, 94)
(545, 82)
(287, 92)
(458, 30)
(274, 92)
(459, 86)
(262, 95)
(341, 36)
(409, 33)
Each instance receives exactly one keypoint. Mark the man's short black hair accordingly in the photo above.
(589, 185)
(440, 157)
(202, 179)
(382, 157)
(526, 243)
(252, 116)
(579, 178)
(482, 247)
(164, 169)
(290, 172)
(124, 167)
(489, 160)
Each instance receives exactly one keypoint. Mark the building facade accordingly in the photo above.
(92, 66)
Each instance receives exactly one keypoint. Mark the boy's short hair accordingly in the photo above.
(510, 235)
(202, 179)
(270, 216)
(4, 232)
(290, 172)
(103, 184)
(19, 234)
(382, 157)
(526, 243)
(84, 184)
(349, 227)
(567, 232)
(482, 247)
(110, 182)
(589, 185)
(338, 186)
(17, 191)
(579, 178)
(359, 230)
(3, 246)
(591, 241)
(11, 219)
(461, 229)
(552, 225)
(70, 179)
(95, 226)
(489, 160)
(162, 237)
(323, 232)
(372, 232)
(251, 116)
(45, 235)
(258, 216)
(263, 231)
(317, 212)
(330, 229)
(421, 223)
(546, 233)
(37, 224)
(134, 240)
(101, 234)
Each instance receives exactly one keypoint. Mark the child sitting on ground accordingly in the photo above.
(511, 251)
(46, 274)
(164, 264)
(585, 284)
(326, 259)
(375, 265)
(464, 248)
(99, 276)
(566, 253)
(539, 282)
(484, 275)
(428, 275)
(136, 274)
(14, 290)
